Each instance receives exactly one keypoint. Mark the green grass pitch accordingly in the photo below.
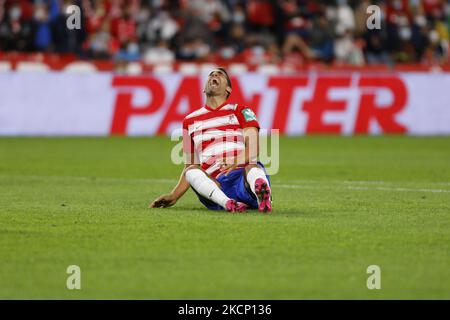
(340, 205)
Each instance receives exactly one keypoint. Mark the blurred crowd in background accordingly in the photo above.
(250, 31)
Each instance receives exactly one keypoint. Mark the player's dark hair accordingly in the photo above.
(228, 78)
(226, 74)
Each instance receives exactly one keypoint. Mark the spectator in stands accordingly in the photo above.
(128, 51)
(41, 24)
(64, 40)
(321, 38)
(348, 50)
(159, 54)
(345, 18)
(437, 51)
(256, 31)
(234, 43)
(160, 26)
(15, 29)
(375, 47)
(214, 13)
(101, 44)
(260, 14)
(255, 52)
(194, 49)
(361, 16)
(420, 30)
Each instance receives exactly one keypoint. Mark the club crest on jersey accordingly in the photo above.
(249, 115)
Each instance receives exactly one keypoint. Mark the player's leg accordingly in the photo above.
(208, 188)
(260, 186)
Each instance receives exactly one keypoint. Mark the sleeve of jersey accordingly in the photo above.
(246, 116)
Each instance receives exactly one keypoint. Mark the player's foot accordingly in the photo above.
(262, 190)
(234, 206)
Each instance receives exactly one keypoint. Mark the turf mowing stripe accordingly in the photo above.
(292, 184)
(373, 182)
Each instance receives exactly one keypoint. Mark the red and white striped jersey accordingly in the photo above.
(214, 134)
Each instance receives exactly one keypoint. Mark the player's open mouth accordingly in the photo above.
(214, 83)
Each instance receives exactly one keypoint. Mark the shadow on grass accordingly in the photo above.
(181, 208)
(300, 212)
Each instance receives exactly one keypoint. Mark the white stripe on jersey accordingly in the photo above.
(219, 148)
(197, 113)
(213, 168)
(230, 119)
(216, 134)
(229, 107)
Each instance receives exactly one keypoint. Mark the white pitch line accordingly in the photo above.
(401, 189)
(92, 179)
(393, 189)
(365, 182)
(294, 184)
(335, 181)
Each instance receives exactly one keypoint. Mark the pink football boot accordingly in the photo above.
(234, 206)
(262, 190)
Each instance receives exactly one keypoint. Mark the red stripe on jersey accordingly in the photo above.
(207, 143)
(230, 127)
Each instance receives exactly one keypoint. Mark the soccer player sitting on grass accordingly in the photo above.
(220, 146)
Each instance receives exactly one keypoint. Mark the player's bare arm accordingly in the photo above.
(169, 199)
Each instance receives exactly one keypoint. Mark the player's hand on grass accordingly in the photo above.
(164, 201)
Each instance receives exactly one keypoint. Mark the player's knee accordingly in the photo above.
(251, 166)
(191, 171)
(191, 167)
